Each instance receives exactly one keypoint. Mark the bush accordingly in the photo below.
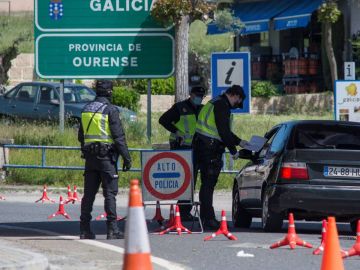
(263, 89)
(126, 97)
(158, 86)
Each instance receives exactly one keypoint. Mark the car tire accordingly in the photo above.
(353, 225)
(240, 217)
(271, 221)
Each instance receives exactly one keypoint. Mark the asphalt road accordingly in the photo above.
(24, 224)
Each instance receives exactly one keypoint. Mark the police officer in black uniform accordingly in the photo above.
(102, 140)
(213, 134)
(180, 120)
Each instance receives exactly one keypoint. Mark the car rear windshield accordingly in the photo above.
(78, 94)
(326, 136)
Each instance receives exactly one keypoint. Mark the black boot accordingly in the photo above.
(113, 231)
(85, 231)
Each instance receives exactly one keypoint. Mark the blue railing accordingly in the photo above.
(227, 168)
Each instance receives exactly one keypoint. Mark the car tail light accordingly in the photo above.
(294, 170)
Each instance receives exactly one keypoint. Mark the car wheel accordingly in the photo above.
(271, 221)
(353, 225)
(240, 217)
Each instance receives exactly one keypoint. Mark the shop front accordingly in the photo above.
(284, 38)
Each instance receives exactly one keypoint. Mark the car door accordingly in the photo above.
(23, 103)
(47, 106)
(268, 158)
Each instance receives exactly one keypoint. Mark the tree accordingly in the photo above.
(181, 13)
(328, 14)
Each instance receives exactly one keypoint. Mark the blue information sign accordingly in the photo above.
(228, 69)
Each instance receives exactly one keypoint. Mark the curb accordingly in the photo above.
(14, 258)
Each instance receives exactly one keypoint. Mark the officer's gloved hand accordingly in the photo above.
(236, 156)
(179, 138)
(126, 165)
(243, 143)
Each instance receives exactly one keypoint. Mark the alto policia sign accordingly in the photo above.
(101, 39)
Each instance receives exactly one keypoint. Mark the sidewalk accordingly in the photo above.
(12, 257)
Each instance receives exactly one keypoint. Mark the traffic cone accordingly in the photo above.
(291, 238)
(331, 259)
(323, 237)
(45, 197)
(158, 217)
(171, 220)
(355, 249)
(222, 230)
(75, 196)
(104, 215)
(177, 224)
(70, 197)
(61, 210)
(137, 247)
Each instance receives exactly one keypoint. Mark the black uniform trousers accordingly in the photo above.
(185, 205)
(99, 171)
(208, 157)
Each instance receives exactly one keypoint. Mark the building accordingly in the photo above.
(286, 44)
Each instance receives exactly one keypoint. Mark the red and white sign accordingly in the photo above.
(167, 175)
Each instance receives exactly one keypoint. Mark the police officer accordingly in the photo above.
(213, 134)
(180, 120)
(102, 140)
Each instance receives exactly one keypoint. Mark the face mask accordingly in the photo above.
(197, 100)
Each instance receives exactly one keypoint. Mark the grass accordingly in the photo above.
(47, 134)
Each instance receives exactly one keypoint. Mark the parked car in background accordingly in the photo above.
(309, 168)
(40, 101)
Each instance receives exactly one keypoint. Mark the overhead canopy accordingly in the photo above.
(254, 15)
(298, 14)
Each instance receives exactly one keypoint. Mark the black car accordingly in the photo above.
(309, 168)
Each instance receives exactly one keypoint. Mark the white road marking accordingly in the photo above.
(159, 261)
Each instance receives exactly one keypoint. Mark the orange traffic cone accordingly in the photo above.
(158, 217)
(355, 249)
(291, 238)
(137, 247)
(75, 196)
(70, 197)
(331, 259)
(45, 197)
(177, 224)
(222, 230)
(104, 215)
(323, 237)
(61, 210)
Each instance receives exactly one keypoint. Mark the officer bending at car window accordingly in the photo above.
(213, 134)
(180, 120)
(102, 140)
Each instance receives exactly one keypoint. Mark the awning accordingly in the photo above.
(298, 14)
(254, 15)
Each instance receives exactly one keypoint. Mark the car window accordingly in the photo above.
(278, 141)
(47, 94)
(11, 93)
(332, 135)
(270, 135)
(78, 94)
(85, 94)
(26, 93)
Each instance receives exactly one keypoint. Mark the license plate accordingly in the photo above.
(330, 171)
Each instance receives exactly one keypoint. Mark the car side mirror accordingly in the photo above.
(247, 154)
(54, 102)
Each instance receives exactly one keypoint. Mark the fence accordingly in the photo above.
(227, 168)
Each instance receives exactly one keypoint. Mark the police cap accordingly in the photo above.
(104, 88)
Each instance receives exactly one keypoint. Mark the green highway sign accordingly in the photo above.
(95, 15)
(108, 55)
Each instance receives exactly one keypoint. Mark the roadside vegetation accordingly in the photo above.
(48, 134)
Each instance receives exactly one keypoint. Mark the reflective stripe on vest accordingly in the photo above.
(206, 121)
(99, 129)
(186, 125)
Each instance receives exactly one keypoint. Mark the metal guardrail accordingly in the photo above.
(227, 168)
